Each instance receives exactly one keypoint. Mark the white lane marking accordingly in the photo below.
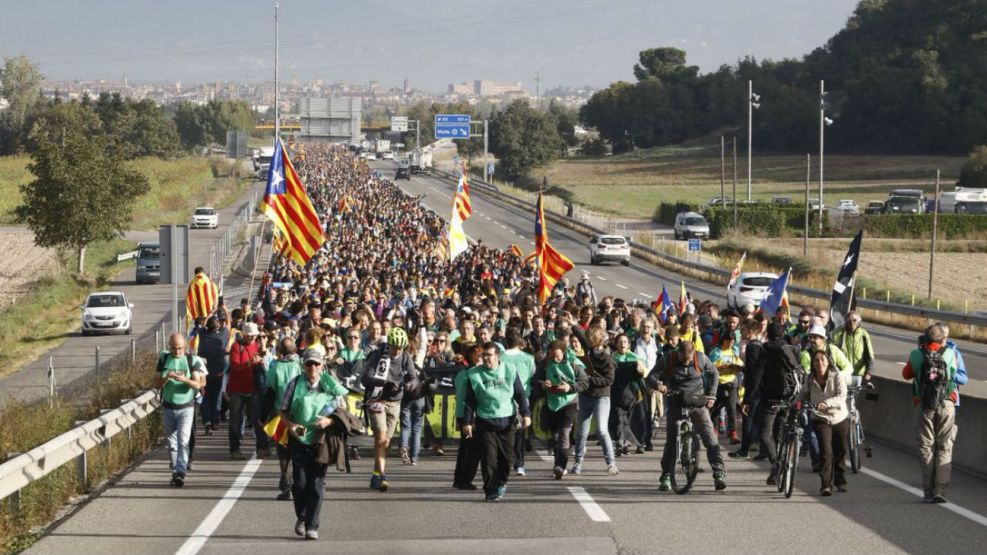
(595, 512)
(601, 278)
(532, 242)
(519, 236)
(621, 286)
(215, 517)
(494, 221)
(481, 213)
(487, 217)
(504, 227)
(513, 232)
(645, 295)
(966, 513)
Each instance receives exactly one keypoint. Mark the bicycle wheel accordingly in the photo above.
(855, 447)
(793, 463)
(686, 467)
(782, 460)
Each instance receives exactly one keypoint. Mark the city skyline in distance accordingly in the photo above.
(433, 44)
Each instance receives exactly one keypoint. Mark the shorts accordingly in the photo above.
(387, 419)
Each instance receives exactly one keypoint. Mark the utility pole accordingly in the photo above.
(277, 107)
(805, 230)
(823, 122)
(538, 88)
(751, 106)
(723, 170)
(734, 200)
(935, 229)
(486, 146)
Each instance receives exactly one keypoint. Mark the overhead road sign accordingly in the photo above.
(452, 126)
(399, 123)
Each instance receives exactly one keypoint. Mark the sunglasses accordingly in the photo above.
(804, 323)
(313, 363)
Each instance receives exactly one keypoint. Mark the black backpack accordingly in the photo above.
(790, 362)
(934, 380)
(690, 384)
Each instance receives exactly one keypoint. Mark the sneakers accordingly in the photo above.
(405, 458)
(383, 483)
(559, 472)
(285, 495)
(577, 468)
(497, 494)
(265, 453)
(311, 534)
(354, 453)
(208, 429)
(639, 450)
(300, 528)
(437, 450)
(734, 438)
(375, 480)
(761, 457)
(738, 454)
(665, 484)
(625, 450)
(465, 487)
(719, 481)
(178, 480)
(772, 478)
(612, 470)
(520, 471)
(825, 492)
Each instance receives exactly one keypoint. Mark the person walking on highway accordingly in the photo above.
(180, 375)
(726, 356)
(212, 348)
(523, 364)
(390, 371)
(303, 409)
(494, 398)
(280, 372)
(855, 343)
(961, 375)
(594, 402)
(689, 379)
(826, 393)
(562, 381)
(932, 371)
(241, 387)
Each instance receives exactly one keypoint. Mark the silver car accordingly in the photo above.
(107, 312)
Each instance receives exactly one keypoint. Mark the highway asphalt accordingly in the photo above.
(74, 358)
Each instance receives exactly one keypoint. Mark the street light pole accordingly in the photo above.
(486, 145)
(277, 108)
(822, 127)
(751, 105)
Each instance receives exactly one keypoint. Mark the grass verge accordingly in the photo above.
(42, 318)
(30, 425)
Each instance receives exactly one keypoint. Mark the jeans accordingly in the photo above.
(412, 415)
(748, 431)
(242, 407)
(178, 429)
(210, 405)
(309, 485)
(701, 424)
(599, 408)
(770, 416)
(726, 397)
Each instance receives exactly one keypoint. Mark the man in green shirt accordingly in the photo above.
(279, 373)
(524, 365)
(180, 376)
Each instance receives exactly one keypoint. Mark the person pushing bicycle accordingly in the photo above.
(689, 380)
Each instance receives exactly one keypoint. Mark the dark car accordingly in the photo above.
(904, 205)
(874, 207)
(403, 172)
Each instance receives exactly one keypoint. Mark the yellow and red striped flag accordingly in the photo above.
(201, 298)
(552, 264)
(287, 205)
(516, 251)
(462, 202)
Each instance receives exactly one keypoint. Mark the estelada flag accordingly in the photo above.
(287, 205)
(201, 298)
(552, 264)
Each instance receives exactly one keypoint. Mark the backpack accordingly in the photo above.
(790, 362)
(934, 381)
(692, 386)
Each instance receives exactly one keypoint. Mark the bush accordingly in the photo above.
(665, 212)
(764, 220)
(974, 172)
(919, 226)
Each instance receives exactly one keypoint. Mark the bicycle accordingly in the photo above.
(856, 427)
(788, 449)
(686, 465)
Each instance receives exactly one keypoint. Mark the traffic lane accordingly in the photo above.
(420, 505)
(640, 279)
(141, 513)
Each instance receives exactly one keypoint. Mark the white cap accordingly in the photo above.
(250, 328)
(818, 330)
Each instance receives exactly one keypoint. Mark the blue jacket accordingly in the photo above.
(961, 377)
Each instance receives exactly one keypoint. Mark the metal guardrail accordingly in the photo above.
(20, 471)
(907, 310)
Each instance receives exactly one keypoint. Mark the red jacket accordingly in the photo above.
(241, 379)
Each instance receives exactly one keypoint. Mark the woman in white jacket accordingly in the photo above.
(826, 392)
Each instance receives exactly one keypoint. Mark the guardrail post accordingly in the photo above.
(51, 381)
(97, 361)
(133, 351)
(164, 336)
(157, 341)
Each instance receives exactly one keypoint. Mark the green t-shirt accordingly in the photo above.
(559, 373)
(279, 373)
(494, 390)
(174, 393)
(350, 356)
(460, 384)
(523, 365)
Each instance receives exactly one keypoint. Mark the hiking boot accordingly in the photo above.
(300, 528)
(383, 483)
(665, 484)
(559, 472)
(719, 481)
(237, 456)
(734, 438)
(405, 458)
(577, 468)
(612, 470)
(939, 499)
(375, 481)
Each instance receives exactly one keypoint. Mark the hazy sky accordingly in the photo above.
(432, 42)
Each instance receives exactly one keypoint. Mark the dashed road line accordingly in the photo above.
(621, 286)
(601, 278)
(595, 512)
(519, 236)
(645, 295)
(963, 512)
(504, 227)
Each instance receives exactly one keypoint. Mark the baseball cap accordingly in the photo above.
(817, 330)
(250, 328)
(312, 355)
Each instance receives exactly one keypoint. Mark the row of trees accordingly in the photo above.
(903, 77)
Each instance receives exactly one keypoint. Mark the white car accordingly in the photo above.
(609, 247)
(848, 207)
(205, 216)
(387, 155)
(371, 156)
(750, 288)
(691, 224)
(106, 312)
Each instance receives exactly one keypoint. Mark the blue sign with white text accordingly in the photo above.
(695, 245)
(452, 118)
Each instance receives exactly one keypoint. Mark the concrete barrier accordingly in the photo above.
(889, 414)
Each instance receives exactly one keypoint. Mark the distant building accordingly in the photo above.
(484, 87)
(330, 120)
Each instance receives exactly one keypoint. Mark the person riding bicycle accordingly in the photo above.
(855, 343)
(826, 392)
(690, 380)
(817, 342)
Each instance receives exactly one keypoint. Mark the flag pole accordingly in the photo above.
(277, 107)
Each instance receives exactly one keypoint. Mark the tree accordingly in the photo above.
(205, 125)
(523, 138)
(81, 193)
(567, 119)
(663, 64)
(58, 118)
(974, 171)
(21, 86)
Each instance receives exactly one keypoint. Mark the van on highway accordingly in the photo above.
(148, 263)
